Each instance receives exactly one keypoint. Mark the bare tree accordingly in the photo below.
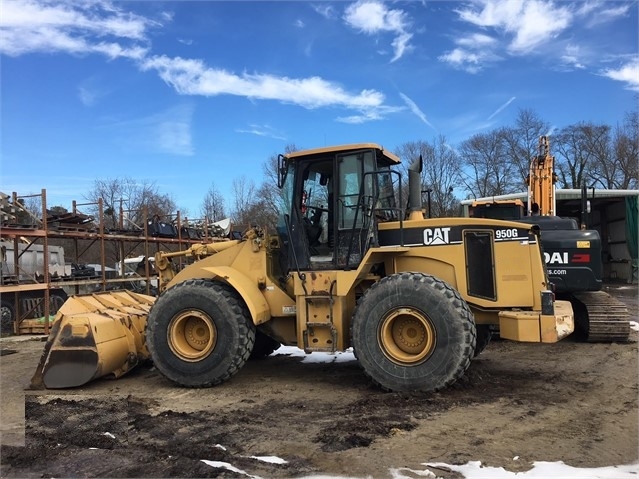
(259, 205)
(272, 200)
(244, 199)
(626, 151)
(131, 198)
(487, 170)
(604, 169)
(581, 149)
(27, 211)
(33, 205)
(127, 203)
(439, 173)
(522, 141)
(213, 205)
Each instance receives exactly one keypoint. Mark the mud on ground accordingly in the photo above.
(518, 403)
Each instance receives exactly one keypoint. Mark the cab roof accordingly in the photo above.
(380, 152)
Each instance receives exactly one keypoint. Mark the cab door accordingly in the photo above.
(353, 207)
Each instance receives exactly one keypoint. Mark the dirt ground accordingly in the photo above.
(518, 403)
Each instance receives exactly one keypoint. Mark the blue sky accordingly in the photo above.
(186, 94)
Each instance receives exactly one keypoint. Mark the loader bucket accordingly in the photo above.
(94, 335)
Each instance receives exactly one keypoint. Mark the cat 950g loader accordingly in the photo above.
(347, 268)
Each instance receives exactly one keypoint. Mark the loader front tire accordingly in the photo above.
(199, 333)
(413, 332)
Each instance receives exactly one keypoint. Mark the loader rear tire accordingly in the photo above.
(413, 332)
(199, 333)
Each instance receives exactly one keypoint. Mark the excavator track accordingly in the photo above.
(601, 317)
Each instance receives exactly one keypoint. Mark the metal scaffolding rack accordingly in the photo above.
(29, 296)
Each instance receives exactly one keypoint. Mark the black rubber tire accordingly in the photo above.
(264, 345)
(7, 318)
(484, 333)
(56, 300)
(231, 340)
(442, 317)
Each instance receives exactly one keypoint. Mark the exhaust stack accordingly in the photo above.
(415, 211)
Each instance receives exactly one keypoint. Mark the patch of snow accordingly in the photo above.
(474, 470)
(634, 325)
(271, 459)
(230, 467)
(219, 446)
(108, 434)
(399, 473)
(338, 357)
(542, 470)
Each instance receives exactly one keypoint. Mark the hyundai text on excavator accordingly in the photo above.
(347, 267)
(571, 251)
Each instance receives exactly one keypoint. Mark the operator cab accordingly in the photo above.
(331, 200)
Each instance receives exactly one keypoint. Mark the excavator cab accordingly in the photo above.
(332, 200)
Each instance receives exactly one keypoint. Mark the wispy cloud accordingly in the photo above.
(324, 9)
(501, 108)
(627, 73)
(473, 53)
(372, 17)
(529, 23)
(54, 26)
(476, 40)
(28, 26)
(596, 12)
(531, 27)
(416, 110)
(90, 91)
(167, 131)
(373, 114)
(573, 57)
(262, 130)
(193, 77)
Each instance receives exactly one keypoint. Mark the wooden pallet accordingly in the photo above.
(34, 326)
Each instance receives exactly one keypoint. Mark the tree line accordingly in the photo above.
(490, 163)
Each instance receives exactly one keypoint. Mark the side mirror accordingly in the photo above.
(282, 170)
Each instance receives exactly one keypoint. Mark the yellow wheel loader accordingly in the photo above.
(347, 267)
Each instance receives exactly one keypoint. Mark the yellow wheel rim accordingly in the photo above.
(406, 336)
(192, 335)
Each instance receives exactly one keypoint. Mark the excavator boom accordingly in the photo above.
(541, 181)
